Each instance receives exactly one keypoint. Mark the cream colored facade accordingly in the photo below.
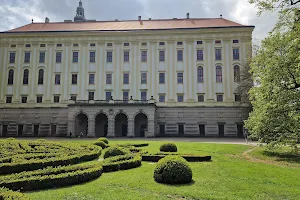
(174, 40)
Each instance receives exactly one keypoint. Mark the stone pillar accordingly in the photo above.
(111, 128)
(91, 128)
(130, 128)
(151, 128)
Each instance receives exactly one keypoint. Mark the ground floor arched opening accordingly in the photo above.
(81, 125)
(140, 125)
(101, 125)
(121, 125)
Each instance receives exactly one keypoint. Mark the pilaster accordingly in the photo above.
(130, 128)
(111, 128)
(91, 128)
(151, 128)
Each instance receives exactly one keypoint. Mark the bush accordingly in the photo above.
(189, 158)
(100, 144)
(6, 194)
(173, 170)
(114, 151)
(134, 145)
(168, 147)
(103, 140)
(123, 162)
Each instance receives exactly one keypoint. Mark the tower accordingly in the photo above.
(79, 13)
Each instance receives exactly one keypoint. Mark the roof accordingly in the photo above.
(133, 25)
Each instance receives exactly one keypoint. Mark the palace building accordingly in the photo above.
(135, 78)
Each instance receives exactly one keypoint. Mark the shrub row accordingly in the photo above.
(6, 194)
(122, 162)
(189, 158)
(51, 177)
(115, 151)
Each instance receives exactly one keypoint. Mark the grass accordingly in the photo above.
(228, 176)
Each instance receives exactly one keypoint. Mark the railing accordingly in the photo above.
(106, 102)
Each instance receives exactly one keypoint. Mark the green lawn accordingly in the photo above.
(228, 176)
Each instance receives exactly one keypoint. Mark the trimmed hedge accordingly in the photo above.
(168, 147)
(173, 170)
(189, 158)
(134, 145)
(115, 151)
(100, 144)
(122, 162)
(51, 177)
(6, 194)
(105, 140)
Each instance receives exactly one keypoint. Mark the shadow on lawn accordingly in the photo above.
(283, 156)
(180, 185)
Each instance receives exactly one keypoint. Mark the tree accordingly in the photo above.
(276, 101)
(271, 5)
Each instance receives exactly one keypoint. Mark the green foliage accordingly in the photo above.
(173, 170)
(189, 158)
(6, 194)
(122, 162)
(100, 144)
(134, 145)
(272, 5)
(114, 151)
(105, 140)
(168, 147)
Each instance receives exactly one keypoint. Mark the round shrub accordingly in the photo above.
(173, 170)
(114, 151)
(168, 147)
(100, 144)
(103, 140)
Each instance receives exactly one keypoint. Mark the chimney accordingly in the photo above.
(221, 16)
(32, 21)
(149, 18)
(140, 18)
(47, 20)
(116, 20)
(187, 15)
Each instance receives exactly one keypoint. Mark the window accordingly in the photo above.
(56, 99)
(73, 98)
(235, 41)
(162, 98)
(27, 57)
(126, 44)
(219, 74)
(179, 98)
(109, 56)
(58, 57)
(12, 57)
(74, 79)
(236, 71)
(179, 43)
(109, 44)
(108, 78)
(219, 97)
(39, 99)
(199, 42)
(218, 54)
(199, 54)
(144, 56)
(10, 80)
(75, 57)
(58, 45)
(75, 45)
(161, 43)
(125, 96)
(8, 99)
(144, 43)
(200, 75)
(25, 77)
(92, 56)
(144, 78)
(13, 46)
(92, 45)
(27, 45)
(180, 77)
(200, 97)
(161, 77)
(42, 57)
(161, 56)
(91, 96)
(91, 79)
(144, 96)
(108, 96)
(126, 56)
(42, 45)
(41, 77)
(24, 99)
(236, 54)
(179, 55)
(57, 79)
(237, 98)
(126, 78)
(218, 42)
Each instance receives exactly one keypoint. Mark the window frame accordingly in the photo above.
(91, 79)
(10, 78)
(126, 56)
(58, 57)
(180, 77)
(57, 79)
(144, 56)
(219, 74)
(218, 54)
(109, 56)
(180, 98)
(74, 79)
(179, 55)
(25, 77)
(92, 56)
(162, 56)
(200, 74)
(163, 80)
(12, 57)
(200, 55)
(27, 57)
(75, 58)
(91, 96)
(220, 97)
(125, 78)
(108, 80)
(144, 78)
(56, 99)
(42, 58)
(41, 77)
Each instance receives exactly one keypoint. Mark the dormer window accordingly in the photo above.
(161, 43)
(109, 44)
(59, 45)
(235, 41)
(27, 45)
(218, 42)
(126, 44)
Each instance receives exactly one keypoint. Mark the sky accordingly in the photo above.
(16, 13)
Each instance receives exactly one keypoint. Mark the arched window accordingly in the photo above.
(219, 74)
(236, 73)
(10, 77)
(200, 74)
(41, 77)
(25, 77)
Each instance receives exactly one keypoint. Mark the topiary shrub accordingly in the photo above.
(173, 170)
(103, 140)
(6, 194)
(168, 147)
(114, 151)
(100, 144)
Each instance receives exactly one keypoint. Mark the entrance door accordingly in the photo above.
(202, 130)
(142, 130)
(240, 129)
(4, 130)
(36, 130)
(53, 130)
(124, 130)
(162, 132)
(221, 130)
(20, 130)
(181, 129)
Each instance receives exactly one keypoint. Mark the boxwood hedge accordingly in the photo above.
(115, 151)
(168, 147)
(122, 162)
(105, 140)
(189, 158)
(6, 194)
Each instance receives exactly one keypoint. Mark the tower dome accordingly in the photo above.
(79, 13)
